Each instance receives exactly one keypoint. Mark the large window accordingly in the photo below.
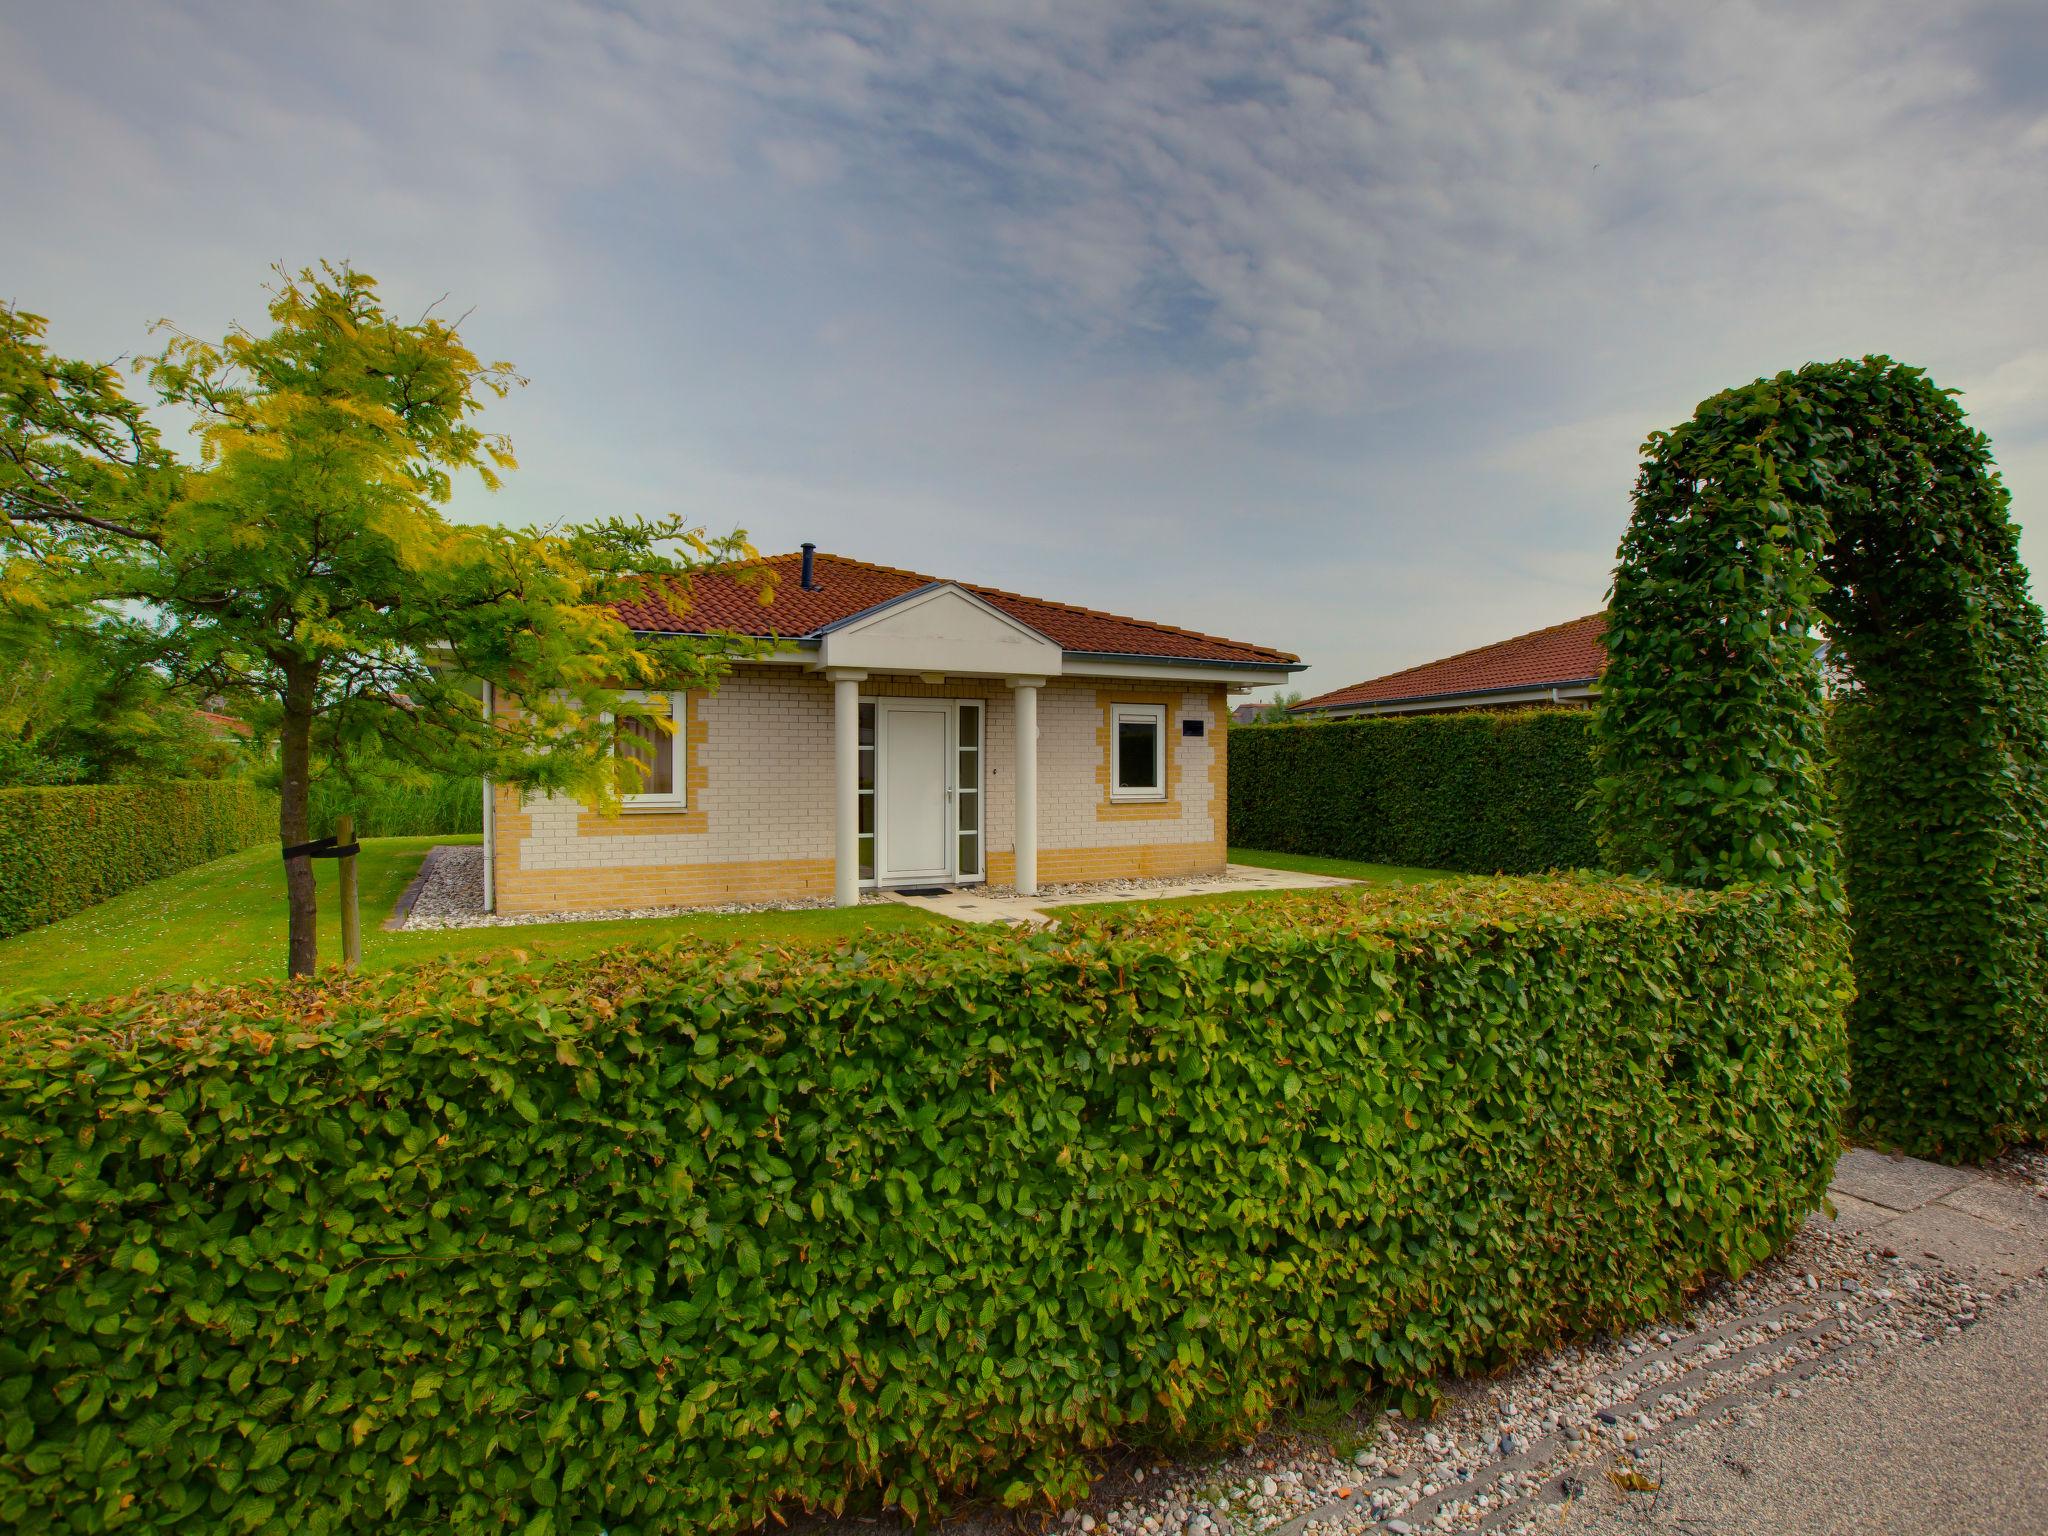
(1138, 752)
(659, 751)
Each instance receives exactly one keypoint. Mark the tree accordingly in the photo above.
(302, 569)
(1280, 708)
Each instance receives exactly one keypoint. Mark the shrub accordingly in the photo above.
(385, 806)
(670, 1241)
(63, 849)
(1488, 793)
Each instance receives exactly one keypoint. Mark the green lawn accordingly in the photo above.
(1347, 869)
(225, 921)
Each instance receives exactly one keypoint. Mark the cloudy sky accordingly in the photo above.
(1329, 327)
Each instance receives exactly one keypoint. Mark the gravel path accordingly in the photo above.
(453, 897)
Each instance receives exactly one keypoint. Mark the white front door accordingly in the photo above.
(916, 812)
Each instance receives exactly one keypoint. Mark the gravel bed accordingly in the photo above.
(453, 897)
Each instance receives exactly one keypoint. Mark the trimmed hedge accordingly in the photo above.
(68, 848)
(1850, 499)
(390, 808)
(1478, 791)
(667, 1242)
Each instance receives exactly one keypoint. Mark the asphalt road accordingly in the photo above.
(1948, 1438)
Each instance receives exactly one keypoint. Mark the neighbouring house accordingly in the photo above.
(911, 732)
(222, 727)
(1560, 665)
(1247, 714)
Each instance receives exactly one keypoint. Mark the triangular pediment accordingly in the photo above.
(939, 628)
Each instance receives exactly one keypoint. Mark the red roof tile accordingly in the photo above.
(1564, 653)
(218, 722)
(729, 598)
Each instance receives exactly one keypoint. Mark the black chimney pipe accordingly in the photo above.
(808, 584)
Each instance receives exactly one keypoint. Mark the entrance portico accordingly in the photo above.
(909, 798)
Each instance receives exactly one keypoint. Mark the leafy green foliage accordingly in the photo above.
(65, 849)
(669, 1241)
(77, 706)
(1851, 498)
(1487, 793)
(389, 801)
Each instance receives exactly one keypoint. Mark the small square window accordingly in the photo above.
(657, 749)
(1138, 745)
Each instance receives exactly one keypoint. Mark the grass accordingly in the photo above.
(1344, 869)
(225, 921)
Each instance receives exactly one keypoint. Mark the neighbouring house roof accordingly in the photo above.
(221, 724)
(1571, 654)
(1247, 714)
(725, 599)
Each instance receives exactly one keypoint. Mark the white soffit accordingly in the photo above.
(941, 628)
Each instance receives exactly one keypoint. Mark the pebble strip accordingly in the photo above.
(452, 896)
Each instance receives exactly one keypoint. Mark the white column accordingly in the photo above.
(846, 760)
(1025, 691)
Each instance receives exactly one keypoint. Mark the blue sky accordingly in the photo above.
(1329, 327)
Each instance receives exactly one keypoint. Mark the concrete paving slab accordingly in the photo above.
(975, 904)
(1994, 1255)
(1853, 1215)
(2003, 1205)
(1897, 1183)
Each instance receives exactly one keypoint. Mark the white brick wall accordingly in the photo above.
(768, 791)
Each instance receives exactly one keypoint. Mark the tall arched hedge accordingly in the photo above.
(1850, 500)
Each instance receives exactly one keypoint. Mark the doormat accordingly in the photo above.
(924, 890)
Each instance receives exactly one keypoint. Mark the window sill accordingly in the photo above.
(640, 805)
(1137, 799)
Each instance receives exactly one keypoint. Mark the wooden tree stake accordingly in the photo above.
(351, 914)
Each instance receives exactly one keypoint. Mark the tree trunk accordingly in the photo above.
(294, 811)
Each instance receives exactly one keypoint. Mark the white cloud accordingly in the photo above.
(1334, 326)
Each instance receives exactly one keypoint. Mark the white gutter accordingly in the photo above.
(490, 822)
(1449, 702)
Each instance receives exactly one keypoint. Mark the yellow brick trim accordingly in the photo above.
(664, 885)
(1107, 809)
(1145, 861)
(1219, 774)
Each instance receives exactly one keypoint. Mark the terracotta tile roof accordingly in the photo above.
(1564, 653)
(218, 722)
(726, 598)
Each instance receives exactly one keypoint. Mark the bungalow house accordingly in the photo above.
(911, 732)
(1560, 665)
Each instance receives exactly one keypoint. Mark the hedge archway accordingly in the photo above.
(1849, 499)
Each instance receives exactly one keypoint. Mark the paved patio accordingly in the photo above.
(973, 904)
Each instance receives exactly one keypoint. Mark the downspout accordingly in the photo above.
(490, 821)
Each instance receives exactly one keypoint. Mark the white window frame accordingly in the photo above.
(1118, 714)
(677, 798)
